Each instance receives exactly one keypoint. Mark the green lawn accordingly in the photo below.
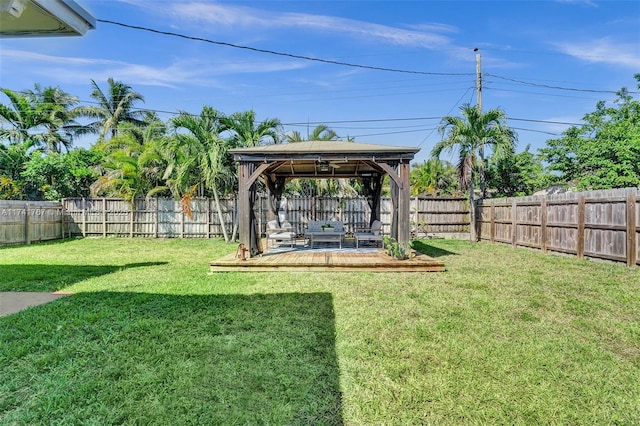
(503, 337)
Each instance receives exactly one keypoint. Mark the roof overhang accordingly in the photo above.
(43, 18)
(324, 159)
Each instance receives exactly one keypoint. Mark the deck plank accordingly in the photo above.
(311, 260)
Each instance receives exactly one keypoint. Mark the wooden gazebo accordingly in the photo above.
(278, 164)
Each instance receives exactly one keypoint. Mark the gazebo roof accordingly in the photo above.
(325, 147)
(324, 159)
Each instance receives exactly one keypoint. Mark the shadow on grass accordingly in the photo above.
(131, 358)
(429, 250)
(43, 277)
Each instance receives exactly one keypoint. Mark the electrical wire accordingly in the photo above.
(548, 86)
(273, 52)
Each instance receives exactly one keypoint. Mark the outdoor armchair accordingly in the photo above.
(280, 233)
(373, 233)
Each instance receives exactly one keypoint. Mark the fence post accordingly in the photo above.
(62, 221)
(314, 205)
(416, 203)
(208, 233)
(84, 217)
(132, 210)
(581, 227)
(181, 223)
(104, 217)
(543, 224)
(514, 222)
(27, 224)
(492, 218)
(155, 218)
(631, 228)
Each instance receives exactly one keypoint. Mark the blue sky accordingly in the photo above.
(531, 51)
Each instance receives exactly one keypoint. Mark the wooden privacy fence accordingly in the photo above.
(164, 218)
(599, 224)
(154, 217)
(22, 222)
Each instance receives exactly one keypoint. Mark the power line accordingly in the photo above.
(373, 120)
(273, 52)
(492, 88)
(535, 131)
(454, 105)
(548, 86)
(545, 121)
(391, 133)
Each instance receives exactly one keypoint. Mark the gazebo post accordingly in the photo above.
(404, 202)
(244, 205)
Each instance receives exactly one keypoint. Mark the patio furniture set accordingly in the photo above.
(323, 231)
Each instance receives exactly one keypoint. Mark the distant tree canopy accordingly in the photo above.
(434, 177)
(516, 175)
(602, 153)
(137, 154)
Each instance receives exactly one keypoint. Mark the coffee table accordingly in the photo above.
(325, 237)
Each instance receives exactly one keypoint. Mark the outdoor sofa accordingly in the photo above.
(328, 231)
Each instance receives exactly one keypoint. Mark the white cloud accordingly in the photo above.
(218, 15)
(589, 3)
(435, 27)
(556, 124)
(198, 73)
(26, 56)
(604, 50)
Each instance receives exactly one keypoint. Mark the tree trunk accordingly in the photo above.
(223, 225)
(234, 233)
(473, 235)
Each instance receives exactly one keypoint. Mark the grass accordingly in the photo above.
(503, 337)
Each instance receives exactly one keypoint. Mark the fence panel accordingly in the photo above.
(22, 222)
(164, 218)
(635, 257)
(144, 218)
(599, 224)
(440, 216)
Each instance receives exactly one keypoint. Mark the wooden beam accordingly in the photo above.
(261, 168)
(392, 173)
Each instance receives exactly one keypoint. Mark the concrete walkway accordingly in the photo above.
(14, 301)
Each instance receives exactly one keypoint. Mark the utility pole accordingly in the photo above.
(474, 224)
(478, 79)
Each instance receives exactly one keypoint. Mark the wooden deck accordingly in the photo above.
(334, 261)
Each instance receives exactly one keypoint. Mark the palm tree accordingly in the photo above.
(318, 187)
(28, 119)
(132, 167)
(245, 132)
(61, 125)
(471, 135)
(321, 132)
(199, 160)
(115, 107)
(434, 177)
